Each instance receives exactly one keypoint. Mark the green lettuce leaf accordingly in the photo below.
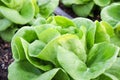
(23, 16)
(25, 71)
(7, 34)
(102, 2)
(114, 70)
(47, 7)
(60, 21)
(4, 24)
(110, 14)
(97, 63)
(70, 2)
(91, 29)
(83, 10)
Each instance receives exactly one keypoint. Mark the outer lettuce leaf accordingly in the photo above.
(41, 64)
(43, 2)
(116, 38)
(8, 33)
(70, 2)
(54, 74)
(17, 49)
(112, 73)
(82, 22)
(97, 62)
(114, 70)
(110, 14)
(102, 2)
(25, 71)
(104, 77)
(83, 10)
(4, 24)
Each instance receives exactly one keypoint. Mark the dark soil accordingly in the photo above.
(5, 59)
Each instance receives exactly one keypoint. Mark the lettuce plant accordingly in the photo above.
(15, 13)
(64, 49)
(84, 8)
(111, 14)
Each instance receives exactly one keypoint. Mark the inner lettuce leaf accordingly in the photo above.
(101, 33)
(60, 21)
(60, 51)
(91, 29)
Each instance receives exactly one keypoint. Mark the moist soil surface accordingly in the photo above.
(5, 59)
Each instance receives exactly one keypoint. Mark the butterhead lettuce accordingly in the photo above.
(61, 50)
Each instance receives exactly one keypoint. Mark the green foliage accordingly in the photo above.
(64, 49)
(16, 13)
(84, 9)
(111, 14)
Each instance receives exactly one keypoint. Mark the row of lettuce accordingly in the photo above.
(17, 13)
(64, 49)
(86, 7)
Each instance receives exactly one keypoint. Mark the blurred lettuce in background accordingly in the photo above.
(86, 8)
(16, 13)
(111, 14)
